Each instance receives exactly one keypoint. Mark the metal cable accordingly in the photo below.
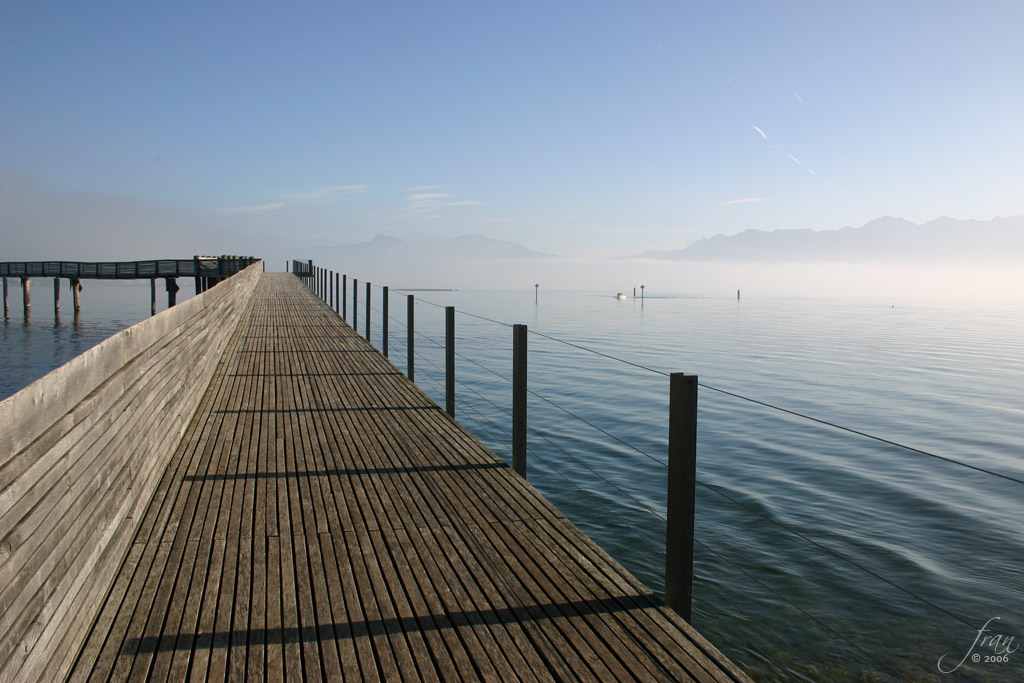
(792, 604)
(591, 424)
(836, 554)
(794, 650)
(864, 434)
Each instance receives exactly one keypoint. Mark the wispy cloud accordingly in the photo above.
(427, 205)
(427, 196)
(811, 172)
(760, 131)
(424, 188)
(744, 200)
(252, 208)
(327, 192)
(794, 159)
(797, 96)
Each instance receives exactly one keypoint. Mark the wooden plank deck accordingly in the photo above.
(322, 519)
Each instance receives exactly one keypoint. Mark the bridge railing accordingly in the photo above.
(82, 451)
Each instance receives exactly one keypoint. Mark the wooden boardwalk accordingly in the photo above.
(322, 519)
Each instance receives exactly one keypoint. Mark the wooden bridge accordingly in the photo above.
(207, 271)
(309, 515)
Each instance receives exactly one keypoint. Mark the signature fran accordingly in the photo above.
(1001, 646)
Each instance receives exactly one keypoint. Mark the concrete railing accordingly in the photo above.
(81, 453)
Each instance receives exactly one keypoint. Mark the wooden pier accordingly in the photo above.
(206, 270)
(323, 519)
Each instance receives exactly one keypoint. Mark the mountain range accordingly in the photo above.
(886, 239)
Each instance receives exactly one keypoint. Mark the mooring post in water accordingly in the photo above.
(7, 304)
(384, 323)
(172, 291)
(368, 316)
(344, 296)
(410, 327)
(56, 296)
(449, 360)
(26, 294)
(355, 305)
(519, 399)
(682, 476)
(152, 293)
(76, 294)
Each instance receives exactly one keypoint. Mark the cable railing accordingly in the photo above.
(442, 379)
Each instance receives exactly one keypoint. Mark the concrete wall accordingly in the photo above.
(81, 453)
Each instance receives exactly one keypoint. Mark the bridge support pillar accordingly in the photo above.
(172, 291)
(26, 294)
(76, 290)
(56, 296)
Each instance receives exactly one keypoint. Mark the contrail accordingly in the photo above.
(794, 158)
(797, 95)
(759, 131)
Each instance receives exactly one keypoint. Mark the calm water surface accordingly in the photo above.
(822, 555)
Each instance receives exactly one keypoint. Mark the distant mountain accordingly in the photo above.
(464, 246)
(885, 239)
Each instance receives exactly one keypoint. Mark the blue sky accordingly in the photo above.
(576, 128)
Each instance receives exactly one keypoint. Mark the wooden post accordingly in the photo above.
(449, 360)
(355, 305)
(26, 295)
(287, 268)
(330, 288)
(384, 324)
(682, 475)
(309, 274)
(519, 399)
(172, 291)
(7, 303)
(410, 343)
(56, 296)
(368, 316)
(344, 297)
(337, 293)
(199, 282)
(76, 294)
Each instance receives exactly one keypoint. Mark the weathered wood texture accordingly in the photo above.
(322, 519)
(81, 453)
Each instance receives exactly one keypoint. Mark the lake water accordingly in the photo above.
(821, 554)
